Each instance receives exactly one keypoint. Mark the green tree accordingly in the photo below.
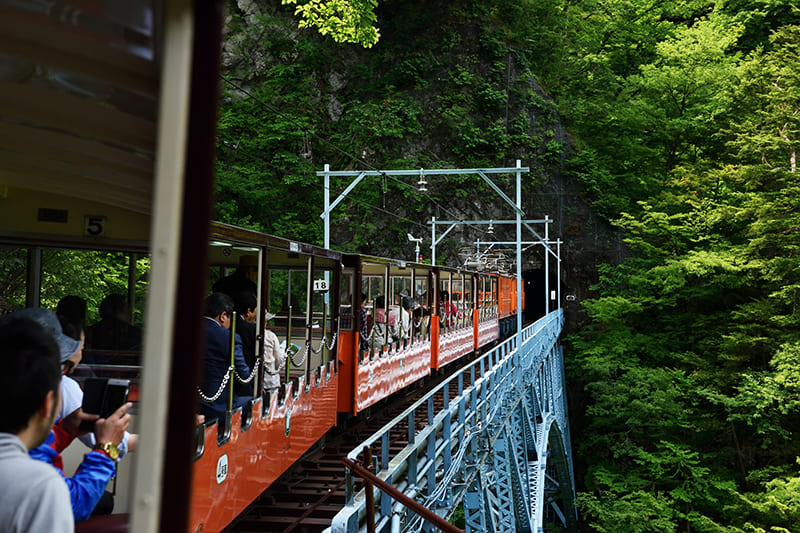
(346, 21)
(769, 129)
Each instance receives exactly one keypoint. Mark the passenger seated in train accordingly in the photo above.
(411, 308)
(87, 486)
(217, 323)
(245, 312)
(447, 309)
(402, 316)
(366, 325)
(274, 358)
(114, 331)
(72, 400)
(32, 495)
(71, 312)
(383, 322)
(420, 313)
(242, 279)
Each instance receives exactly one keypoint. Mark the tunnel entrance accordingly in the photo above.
(533, 281)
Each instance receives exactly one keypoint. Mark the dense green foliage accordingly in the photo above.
(441, 89)
(689, 363)
(344, 20)
(684, 124)
(90, 274)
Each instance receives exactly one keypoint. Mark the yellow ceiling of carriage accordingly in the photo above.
(78, 107)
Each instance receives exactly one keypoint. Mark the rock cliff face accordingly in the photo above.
(446, 87)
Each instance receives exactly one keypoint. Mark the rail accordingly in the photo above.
(436, 467)
(370, 479)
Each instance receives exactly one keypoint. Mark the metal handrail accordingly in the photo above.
(425, 513)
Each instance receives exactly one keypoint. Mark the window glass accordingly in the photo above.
(346, 294)
(13, 273)
(374, 287)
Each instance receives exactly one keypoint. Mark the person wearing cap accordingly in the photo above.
(274, 358)
(32, 495)
(88, 484)
(242, 279)
(72, 400)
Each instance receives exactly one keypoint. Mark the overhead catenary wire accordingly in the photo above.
(401, 218)
(342, 151)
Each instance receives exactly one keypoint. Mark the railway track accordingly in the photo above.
(307, 497)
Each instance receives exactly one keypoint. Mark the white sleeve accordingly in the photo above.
(90, 441)
(71, 396)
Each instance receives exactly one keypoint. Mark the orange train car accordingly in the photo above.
(383, 349)
(237, 458)
(452, 313)
(507, 304)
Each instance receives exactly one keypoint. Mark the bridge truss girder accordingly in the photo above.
(499, 448)
(534, 489)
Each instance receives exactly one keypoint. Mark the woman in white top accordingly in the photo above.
(274, 358)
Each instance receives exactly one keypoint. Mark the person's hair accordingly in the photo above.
(71, 327)
(245, 300)
(380, 302)
(30, 361)
(217, 303)
(112, 305)
(71, 312)
(71, 307)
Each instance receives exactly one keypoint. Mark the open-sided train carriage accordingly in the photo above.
(373, 365)
(237, 458)
(450, 313)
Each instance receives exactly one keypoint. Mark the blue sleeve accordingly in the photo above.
(88, 484)
(44, 452)
(86, 487)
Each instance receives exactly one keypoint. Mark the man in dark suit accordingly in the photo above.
(214, 399)
(245, 308)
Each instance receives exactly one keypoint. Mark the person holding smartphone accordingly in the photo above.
(71, 312)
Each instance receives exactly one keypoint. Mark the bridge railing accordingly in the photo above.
(443, 432)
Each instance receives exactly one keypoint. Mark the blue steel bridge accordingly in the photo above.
(491, 441)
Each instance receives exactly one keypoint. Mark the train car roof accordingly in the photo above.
(352, 260)
(222, 231)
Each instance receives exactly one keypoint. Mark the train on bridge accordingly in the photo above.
(108, 127)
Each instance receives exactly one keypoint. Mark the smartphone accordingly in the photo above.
(103, 396)
(116, 396)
